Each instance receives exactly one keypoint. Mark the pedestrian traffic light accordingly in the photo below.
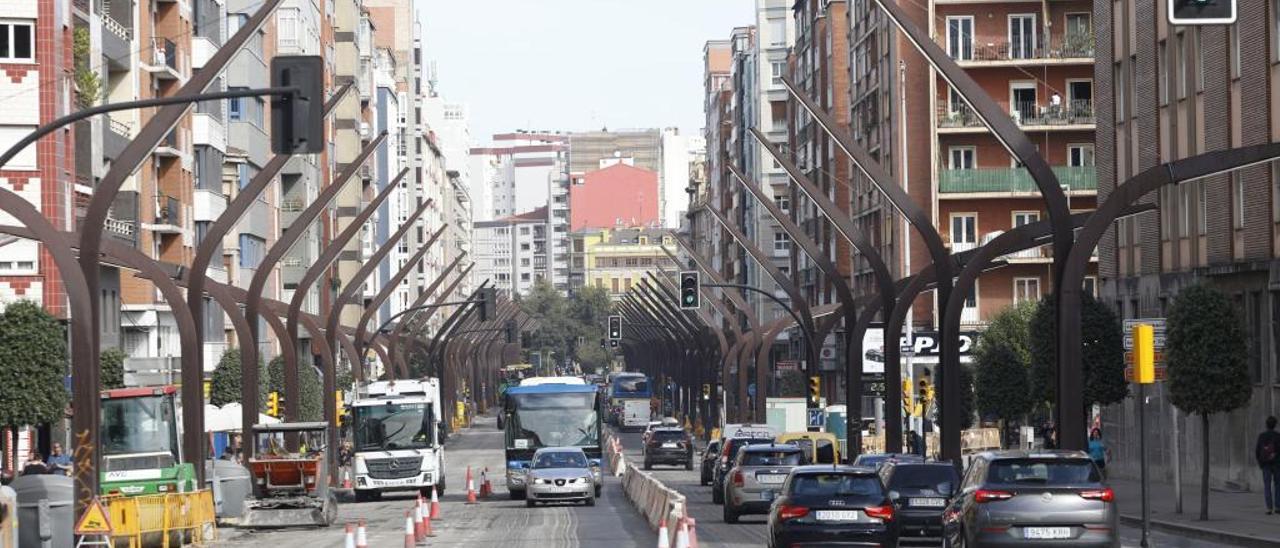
(615, 328)
(273, 404)
(706, 391)
(815, 388)
(513, 334)
(297, 119)
(689, 298)
(1202, 12)
(488, 303)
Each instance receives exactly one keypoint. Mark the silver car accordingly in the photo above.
(560, 474)
(1046, 498)
(756, 476)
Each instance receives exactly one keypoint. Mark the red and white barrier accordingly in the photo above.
(658, 503)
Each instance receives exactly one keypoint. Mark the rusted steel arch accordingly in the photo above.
(825, 314)
(683, 327)
(390, 286)
(398, 331)
(701, 328)
(356, 283)
(212, 242)
(391, 334)
(450, 323)
(249, 352)
(329, 255)
(1071, 408)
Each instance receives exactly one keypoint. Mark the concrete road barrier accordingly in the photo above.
(655, 501)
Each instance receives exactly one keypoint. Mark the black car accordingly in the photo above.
(668, 446)
(874, 460)
(728, 452)
(920, 492)
(709, 458)
(825, 505)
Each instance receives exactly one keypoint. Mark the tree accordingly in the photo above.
(1205, 348)
(793, 384)
(563, 322)
(310, 388)
(1102, 353)
(225, 382)
(1002, 359)
(33, 360)
(112, 367)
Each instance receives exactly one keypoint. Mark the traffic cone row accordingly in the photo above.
(471, 488)
(350, 541)
(346, 478)
(410, 541)
(486, 488)
(693, 532)
(418, 529)
(435, 505)
(682, 534)
(664, 538)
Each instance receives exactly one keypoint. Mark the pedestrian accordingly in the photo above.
(1098, 451)
(35, 465)
(1267, 451)
(59, 462)
(1050, 433)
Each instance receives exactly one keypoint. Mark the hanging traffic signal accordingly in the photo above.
(706, 391)
(1202, 12)
(615, 328)
(689, 298)
(512, 334)
(815, 388)
(273, 404)
(488, 303)
(338, 416)
(297, 119)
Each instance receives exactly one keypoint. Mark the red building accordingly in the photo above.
(618, 195)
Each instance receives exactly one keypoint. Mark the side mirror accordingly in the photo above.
(894, 496)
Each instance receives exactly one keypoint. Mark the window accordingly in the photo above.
(1021, 218)
(960, 38)
(1162, 71)
(245, 174)
(1079, 30)
(963, 158)
(964, 231)
(17, 41)
(234, 111)
(1234, 31)
(1022, 101)
(1022, 36)
(252, 250)
(781, 243)
(235, 21)
(1181, 62)
(1026, 289)
(778, 31)
(287, 26)
(1237, 202)
(784, 203)
(779, 69)
(1080, 155)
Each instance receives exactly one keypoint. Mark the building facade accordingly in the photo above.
(618, 195)
(617, 259)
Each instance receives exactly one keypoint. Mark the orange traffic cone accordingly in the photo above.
(350, 541)
(426, 525)
(664, 538)
(409, 541)
(693, 532)
(471, 490)
(346, 478)
(682, 534)
(362, 536)
(435, 505)
(417, 519)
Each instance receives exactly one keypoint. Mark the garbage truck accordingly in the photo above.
(396, 428)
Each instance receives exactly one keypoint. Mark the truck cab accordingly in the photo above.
(397, 433)
(141, 447)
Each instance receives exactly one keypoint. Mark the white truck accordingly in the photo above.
(635, 413)
(398, 447)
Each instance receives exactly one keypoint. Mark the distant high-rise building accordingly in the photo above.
(620, 195)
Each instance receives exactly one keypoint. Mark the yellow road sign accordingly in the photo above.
(94, 521)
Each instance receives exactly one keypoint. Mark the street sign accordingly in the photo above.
(873, 384)
(1157, 325)
(751, 389)
(94, 521)
(1202, 12)
(817, 418)
(788, 365)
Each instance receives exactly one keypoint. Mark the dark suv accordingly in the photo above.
(728, 452)
(826, 505)
(668, 446)
(920, 492)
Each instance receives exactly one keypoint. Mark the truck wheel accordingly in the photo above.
(364, 496)
(515, 495)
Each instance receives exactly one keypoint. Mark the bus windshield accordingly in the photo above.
(394, 426)
(631, 386)
(552, 420)
(139, 425)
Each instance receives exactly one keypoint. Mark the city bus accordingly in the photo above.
(630, 395)
(549, 415)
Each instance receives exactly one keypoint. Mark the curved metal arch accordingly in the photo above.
(397, 333)
(390, 286)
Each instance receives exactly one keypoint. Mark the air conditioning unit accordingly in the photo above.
(364, 129)
(827, 353)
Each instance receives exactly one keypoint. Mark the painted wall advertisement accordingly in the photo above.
(923, 348)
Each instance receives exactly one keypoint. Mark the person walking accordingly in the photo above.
(1098, 451)
(1267, 452)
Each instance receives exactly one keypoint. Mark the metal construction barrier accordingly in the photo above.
(659, 504)
(173, 519)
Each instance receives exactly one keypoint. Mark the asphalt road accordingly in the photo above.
(494, 522)
(713, 531)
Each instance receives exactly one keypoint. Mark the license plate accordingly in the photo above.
(669, 446)
(928, 503)
(770, 478)
(1046, 532)
(836, 515)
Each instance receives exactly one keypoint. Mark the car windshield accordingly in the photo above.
(739, 443)
(1043, 471)
(668, 435)
(560, 459)
(937, 479)
(835, 484)
(771, 458)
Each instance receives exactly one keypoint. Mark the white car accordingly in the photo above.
(560, 474)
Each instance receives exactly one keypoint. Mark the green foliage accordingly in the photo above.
(793, 384)
(563, 321)
(1010, 328)
(88, 83)
(33, 359)
(1002, 358)
(225, 382)
(1102, 353)
(112, 366)
(310, 388)
(1205, 348)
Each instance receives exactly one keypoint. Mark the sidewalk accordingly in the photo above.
(1237, 518)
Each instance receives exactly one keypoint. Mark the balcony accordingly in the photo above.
(122, 219)
(168, 216)
(170, 146)
(1014, 180)
(209, 205)
(116, 40)
(115, 136)
(1076, 115)
(1072, 49)
(166, 62)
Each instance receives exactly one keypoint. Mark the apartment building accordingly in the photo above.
(511, 252)
(617, 259)
(618, 195)
(1170, 92)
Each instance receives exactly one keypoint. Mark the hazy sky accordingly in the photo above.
(576, 64)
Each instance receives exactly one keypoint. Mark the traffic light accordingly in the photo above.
(908, 401)
(615, 328)
(706, 391)
(297, 119)
(512, 334)
(815, 388)
(1202, 12)
(488, 303)
(689, 298)
(273, 404)
(337, 396)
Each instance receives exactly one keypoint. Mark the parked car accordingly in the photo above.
(821, 505)
(728, 452)
(756, 476)
(669, 445)
(920, 491)
(1046, 498)
(559, 474)
(709, 458)
(874, 460)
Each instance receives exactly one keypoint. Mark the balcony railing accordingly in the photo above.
(114, 27)
(958, 181)
(168, 211)
(1076, 45)
(1071, 113)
